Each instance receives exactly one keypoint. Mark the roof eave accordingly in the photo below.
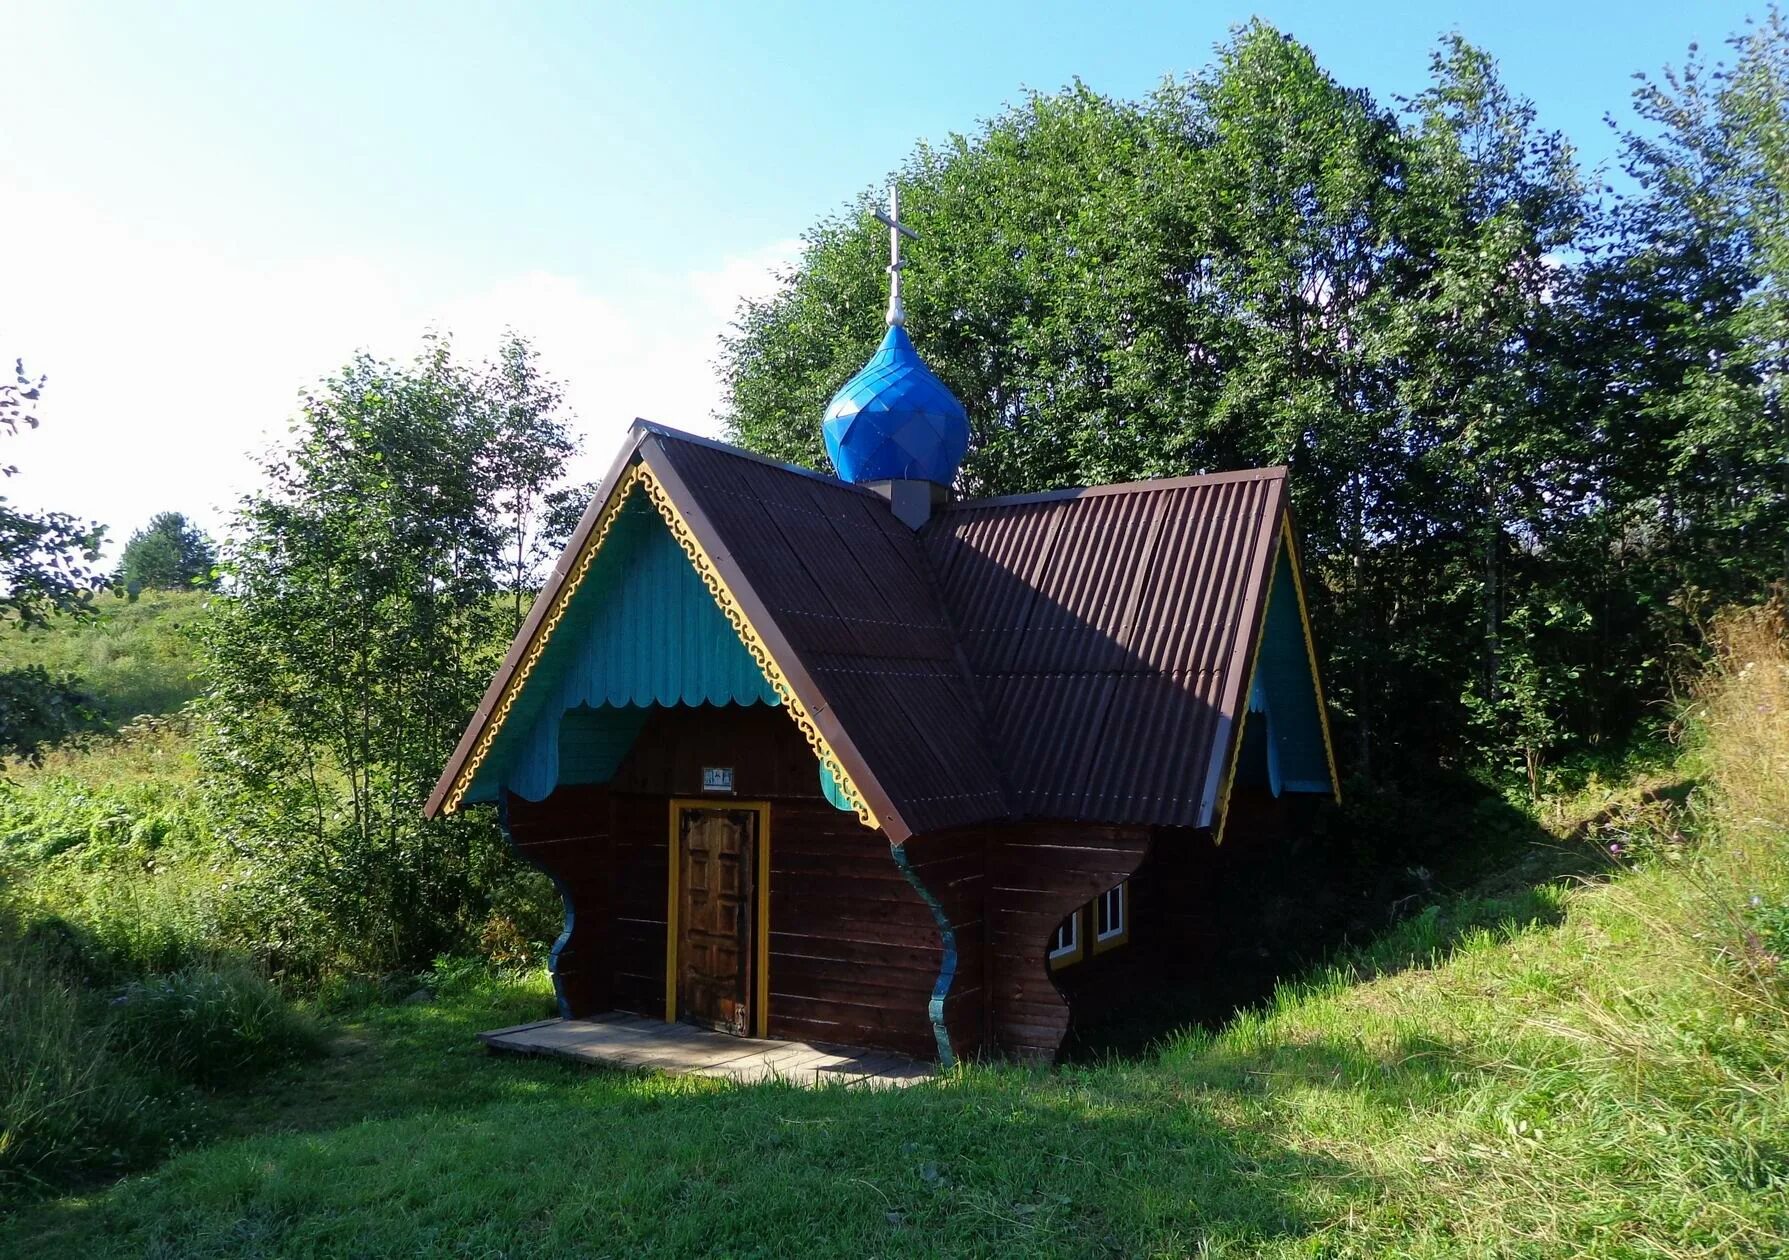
(1239, 670)
(776, 644)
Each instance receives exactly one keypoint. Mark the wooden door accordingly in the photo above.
(715, 922)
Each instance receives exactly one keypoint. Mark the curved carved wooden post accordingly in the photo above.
(949, 872)
(567, 836)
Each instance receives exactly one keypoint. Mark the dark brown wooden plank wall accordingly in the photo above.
(1037, 874)
(641, 867)
(953, 868)
(758, 742)
(568, 835)
(608, 853)
(854, 950)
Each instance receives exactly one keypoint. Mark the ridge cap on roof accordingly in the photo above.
(642, 428)
(1270, 473)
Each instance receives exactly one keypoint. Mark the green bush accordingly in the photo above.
(119, 841)
(210, 1024)
(38, 708)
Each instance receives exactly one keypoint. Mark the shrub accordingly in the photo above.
(38, 708)
(210, 1023)
(121, 842)
(66, 1098)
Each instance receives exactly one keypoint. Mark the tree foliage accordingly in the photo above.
(530, 445)
(364, 615)
(46, 558)
(1696, 297)
(1495, 394)
(170, 554)
(46, 570)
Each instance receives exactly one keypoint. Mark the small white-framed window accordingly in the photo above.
(1112, 917)
(1065, 945)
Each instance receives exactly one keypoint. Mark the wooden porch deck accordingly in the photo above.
(632, 1041)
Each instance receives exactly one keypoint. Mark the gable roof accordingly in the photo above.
(1111, 632)
(1080, 654)
(850, 614)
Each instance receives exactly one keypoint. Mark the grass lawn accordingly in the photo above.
(1533, 1072)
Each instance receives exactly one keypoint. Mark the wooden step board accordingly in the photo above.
(632, 1041)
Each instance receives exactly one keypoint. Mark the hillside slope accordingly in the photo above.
(134, 657)
(1543, 1067)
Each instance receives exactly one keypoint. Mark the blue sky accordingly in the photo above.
(205, 206)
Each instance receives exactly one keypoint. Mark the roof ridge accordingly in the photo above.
(642, 427)
(1269, 473)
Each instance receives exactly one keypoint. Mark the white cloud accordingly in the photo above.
(169, 364)
(649, 354)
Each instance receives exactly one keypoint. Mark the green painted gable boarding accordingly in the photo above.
(1283, 737)
(642, 630)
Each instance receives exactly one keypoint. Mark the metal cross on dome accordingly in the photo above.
(897, 314)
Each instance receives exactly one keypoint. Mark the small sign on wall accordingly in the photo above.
(717, 778)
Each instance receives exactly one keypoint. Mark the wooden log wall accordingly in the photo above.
(606, 852)
(952, 868)
(1172, 899)
(1184, 895)
(1037, 874)
(767, 754)
(1209, 923)
(854, 949)
(569, 836)
(641, 873)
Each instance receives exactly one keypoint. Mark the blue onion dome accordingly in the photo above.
(895, 420)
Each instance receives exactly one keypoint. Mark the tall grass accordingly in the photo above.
(97, 1077)
(1596, 1066)
(1742, 720)
(210, 1023)
(111, 849)
(131, 956)
(66, 1098)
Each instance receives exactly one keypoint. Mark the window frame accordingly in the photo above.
(1103, 941)
(1076, 949)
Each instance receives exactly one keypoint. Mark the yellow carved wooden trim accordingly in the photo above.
(641, 476)
(773, 673)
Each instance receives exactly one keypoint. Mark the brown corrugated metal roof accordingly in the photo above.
(1109, 633)
(1080, 654)
(846, 585)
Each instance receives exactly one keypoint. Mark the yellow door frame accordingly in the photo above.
(761, 896)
